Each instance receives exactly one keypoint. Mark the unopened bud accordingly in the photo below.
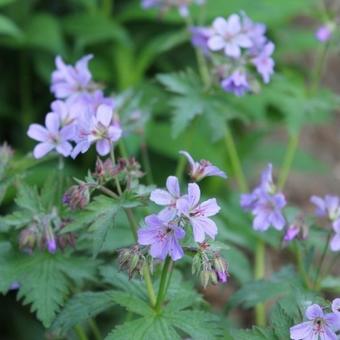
(205, 278)
(221, 268)
(77, 197)
(132, 260)
(28, 238)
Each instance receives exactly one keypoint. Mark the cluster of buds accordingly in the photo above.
(44, 233)
(209, 266)
(77, 196)
(298, 229)
(132, 260)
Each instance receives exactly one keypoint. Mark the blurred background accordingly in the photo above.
(130, 47)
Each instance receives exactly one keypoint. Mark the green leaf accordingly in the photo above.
(281, 322)
(256, 333)
(81, 307)
(331, 283)
(5, 2)
(28, 198)
(8, 27)
(132, 303)
(44, 32)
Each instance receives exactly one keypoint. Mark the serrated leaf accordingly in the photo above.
(132, 303)
(81, 307)
(256, 333)
(281, 322)
(28, 198)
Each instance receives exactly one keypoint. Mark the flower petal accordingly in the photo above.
(216, 43)
(220, 25)
(335, 242)
(104, 114)
(161, 197)
(209, 207)
(314, 311)
(103, 147)
(42, 149)
(172, 184)
(303, 330)
(52, 122)
(189, 158)
(37, 132)
(194, 194)
(205, 225)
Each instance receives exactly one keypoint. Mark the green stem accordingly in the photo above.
(132, 221)
(112, 154)
(146, 161)
(322, 259)
(288, 159)
(163, 284)
(235, 161)
(80, 333)
(149, 285)
(60, 177)
(301, 268)
(95, 330)
(260, 311)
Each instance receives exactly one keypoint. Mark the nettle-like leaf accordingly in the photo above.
(192, 99)
(45, 279)
(176, 319)
(281, 322)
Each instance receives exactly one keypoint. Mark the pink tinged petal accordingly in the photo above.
(67, 132)
(52, 122)
(84, 75)
(232, 50)
(103, 147)
(336, 226)
(335, 242)
(220, 25)
(198, 231)
(81, 147)
(64, 149)
(189, 158)
(37, 132)
(183, 206)
(175, 250)
(42, 149)
(194, 194)
(104, 114)
(115, 133)
(161, 197)
(204, 224)
(167, 214)
(212, 170)
(303, 330)
(208, 208)
(336, 305)
(172, 184)
(233, 24)
(216, 43)
(328, 334)
(314, 311)
(146, 236)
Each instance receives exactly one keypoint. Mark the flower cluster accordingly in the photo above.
(329, 207)
(236, 46)
(165, 5)
(80, 116)
(265, 203)
(164, 230)
(319, 324)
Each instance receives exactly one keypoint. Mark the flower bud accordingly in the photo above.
(77, 196)
(28, 238)
(132, 260)
(205, 278)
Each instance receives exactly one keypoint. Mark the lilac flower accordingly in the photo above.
(329, 206)
(336, 307)
(200, 37)
(163, 237)
(169, 197)
(198, 213)
(264, 63)
(97, 129)
(256, 33)
(71, 81)
(335, 241)
(201, 169)
(291, 233)
(51, 137)
(228, 36)
(67, 113)
(319, 325)
(151, 3)
(265, 203)
(236, 83)
(324, 33)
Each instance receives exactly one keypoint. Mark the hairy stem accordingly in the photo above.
(163, 284)
(112, 154)
(260, 311)
(322, 260)
(149, 285)
(80, 332)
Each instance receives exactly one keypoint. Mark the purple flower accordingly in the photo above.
(256, 33)
(228, 36)
(319, 325)
(71, 81)
(265, 203)
(201, 169)
(163, 236)
(236, 83)
(336, 306)
(200, 37)
(198, 213)
(329, 206)
(51, 137)
(291, 233)
(67, 113)
(169, 197)
(335, 241)
(264, 63)
(324, 33)
(97, 129)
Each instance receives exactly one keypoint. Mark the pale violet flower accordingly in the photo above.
(264, 63)
(336, 307)
(335, 240)
(236, 83)
(265, 203)
(329, 206)
(324, 32)
(71, 81)
(201, 169)
(163, 237)
(66, 113)
(97, 129)
(319, 325)
(198, 213)
(228, 36)
(51, 137)
(169, 197)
